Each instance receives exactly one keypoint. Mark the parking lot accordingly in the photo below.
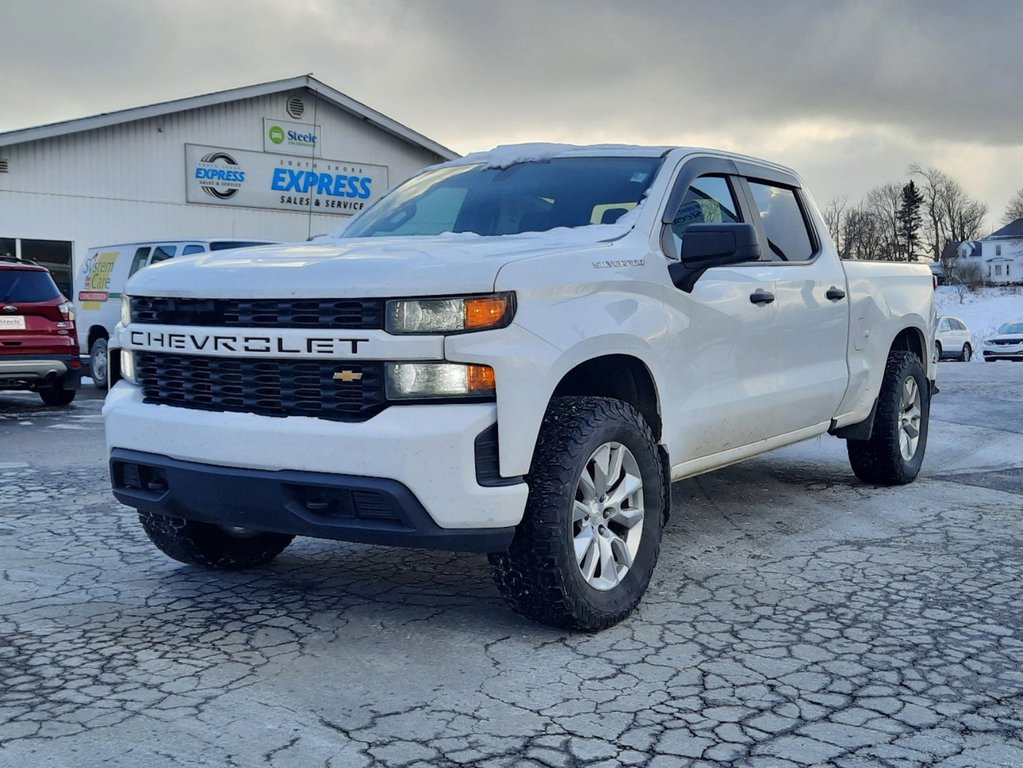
(797, 617)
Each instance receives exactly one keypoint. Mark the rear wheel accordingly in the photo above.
(212, 546)
(967, 353)
(56, 395)
(892, 455)
(588, 542)
(98, 363)
(937, 346)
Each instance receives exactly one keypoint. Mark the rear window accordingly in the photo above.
(26, 286)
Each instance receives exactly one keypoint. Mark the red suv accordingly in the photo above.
(38, 343)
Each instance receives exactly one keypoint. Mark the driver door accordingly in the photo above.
(722, 330)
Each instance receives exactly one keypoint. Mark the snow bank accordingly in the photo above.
(982, 311)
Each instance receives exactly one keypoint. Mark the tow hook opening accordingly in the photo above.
(141, 477)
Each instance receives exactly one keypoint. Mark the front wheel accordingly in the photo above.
(893, 453)
(583, 555)
(212, 546)
(967, 353)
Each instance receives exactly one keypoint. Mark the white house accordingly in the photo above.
(999, 255)
(283, 160)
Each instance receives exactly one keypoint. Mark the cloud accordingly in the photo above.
(850, 91)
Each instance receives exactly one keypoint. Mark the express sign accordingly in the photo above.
(219, 176)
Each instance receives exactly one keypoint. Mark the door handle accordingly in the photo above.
(760, 296)
(835, 294)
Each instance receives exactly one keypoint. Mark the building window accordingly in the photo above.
(998, 250)
(998, 270)
(8, 247)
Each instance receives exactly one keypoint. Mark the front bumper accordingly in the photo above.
(1002, 351)
(363, 509)
(31, 371)
(430, 450)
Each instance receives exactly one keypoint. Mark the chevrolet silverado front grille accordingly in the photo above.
(269, 387)
(364, 314)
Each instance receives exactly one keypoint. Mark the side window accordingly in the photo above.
(709, 200)
(959, 325)
(162, 253)
(190, 249)
(139, 261)
(784, 224)
(943, 324)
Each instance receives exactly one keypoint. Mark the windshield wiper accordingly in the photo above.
(13, 286)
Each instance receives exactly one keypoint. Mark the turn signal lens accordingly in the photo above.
(481, 379)
(485, 312)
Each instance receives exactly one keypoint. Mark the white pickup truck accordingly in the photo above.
(513, 353)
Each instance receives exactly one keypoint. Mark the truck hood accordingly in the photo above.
(359, 267)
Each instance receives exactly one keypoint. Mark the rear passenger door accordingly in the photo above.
(810, 326)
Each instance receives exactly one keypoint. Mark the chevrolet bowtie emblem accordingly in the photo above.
(347, 376)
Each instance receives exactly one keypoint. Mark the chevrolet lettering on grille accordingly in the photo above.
(327, 346)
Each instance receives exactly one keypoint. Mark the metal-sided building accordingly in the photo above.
(283, 160)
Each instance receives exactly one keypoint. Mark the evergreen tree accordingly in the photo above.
(909, 219)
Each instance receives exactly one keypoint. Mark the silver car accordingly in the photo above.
(1006, 344)
(953, 340)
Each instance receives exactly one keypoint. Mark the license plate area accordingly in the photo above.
(16, 323)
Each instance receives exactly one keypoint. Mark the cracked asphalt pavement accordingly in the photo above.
(797, 617)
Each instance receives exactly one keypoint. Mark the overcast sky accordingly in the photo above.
(848, 93)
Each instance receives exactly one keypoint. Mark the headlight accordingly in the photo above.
(417, 381)
(450, 315)
(128, 365)
(125, 311)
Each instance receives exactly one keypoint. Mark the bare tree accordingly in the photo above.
(1015, 208)
(967, 279)
(884, 203)
(834, 217)
(950, 214)
(864, 236)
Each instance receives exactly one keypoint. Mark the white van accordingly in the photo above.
(101, 280)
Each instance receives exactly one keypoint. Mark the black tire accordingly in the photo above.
(879, 459)
(967, 353)
(98, 363)
(540, 576)
(56, 395)
(209, 545)
(937, 346)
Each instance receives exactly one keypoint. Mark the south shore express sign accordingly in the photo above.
(219, 176)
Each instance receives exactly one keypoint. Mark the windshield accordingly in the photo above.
(1011, 328)
(26, 285)
(525, 197)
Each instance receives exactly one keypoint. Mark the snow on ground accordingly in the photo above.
(982, 311)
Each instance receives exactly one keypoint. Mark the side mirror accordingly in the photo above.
(705, 246)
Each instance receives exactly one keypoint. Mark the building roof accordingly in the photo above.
(1009, 231)
(325, 92)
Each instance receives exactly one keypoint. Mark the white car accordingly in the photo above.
(1006, 344)
(953, 340)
